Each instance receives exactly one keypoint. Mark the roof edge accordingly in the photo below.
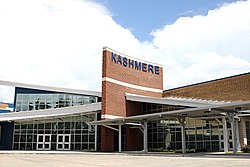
(122, 54)
(51, 88)
(207, 81)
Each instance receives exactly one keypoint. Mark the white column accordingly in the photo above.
(145, 136)
(120, 138)
(219, 140)
(183, 137)
(96, 132)
(225, 137)
(238, 135)
(233, 127)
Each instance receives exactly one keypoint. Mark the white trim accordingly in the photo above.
(170, 101)
(136, 59)
(131, 85)
(50, 88)
(43, 142)
(63, 142)
(36, 114)
(108, 116)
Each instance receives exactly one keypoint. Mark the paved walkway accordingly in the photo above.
(82, 159)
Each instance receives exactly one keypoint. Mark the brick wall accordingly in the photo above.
(119, 79)
(134, 139)
(113, 95)
(234, 88)
(107, 139)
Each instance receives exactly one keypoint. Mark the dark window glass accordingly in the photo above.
(248, 131)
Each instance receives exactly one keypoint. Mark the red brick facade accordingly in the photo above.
(119, 77)
(236, 88)
(113, 95)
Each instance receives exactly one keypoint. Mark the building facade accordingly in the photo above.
(132, 112)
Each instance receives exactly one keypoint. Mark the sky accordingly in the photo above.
(141, 17)
(59, 42)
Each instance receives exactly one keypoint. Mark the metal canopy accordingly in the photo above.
(50, 88)
(173, 101)
(220, 110)
(208, 111)
(84, 109)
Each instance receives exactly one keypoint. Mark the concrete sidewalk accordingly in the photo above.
(88, 159)
(136, 153)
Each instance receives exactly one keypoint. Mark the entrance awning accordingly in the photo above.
(208, 111)
(84, 109)
(217, 110)
(173, 101)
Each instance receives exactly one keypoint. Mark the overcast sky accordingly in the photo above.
(59, 43)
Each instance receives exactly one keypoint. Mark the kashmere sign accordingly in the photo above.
(134, 64)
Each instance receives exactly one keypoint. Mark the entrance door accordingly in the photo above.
(63, 142)
(43, 142)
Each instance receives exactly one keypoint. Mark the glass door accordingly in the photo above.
(63, 142)
(43, 142)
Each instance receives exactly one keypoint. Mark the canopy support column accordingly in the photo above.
(225, 137)
(120, 138)
(238, 135)
(145, 135)
(183, 134)
(234, 138)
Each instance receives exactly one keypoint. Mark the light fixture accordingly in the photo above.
(237, 108)
(160, 116)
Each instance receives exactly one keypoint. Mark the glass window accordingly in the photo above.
(18, 97)
(48, 125)
(17, 126)
(25, 97)
(61, 125)
(25, 107)
(42, 106)
(32, 97)
(78, 125)
(68, 97)
(18, 106)
(31, 106)
(42, 97)
(77, 138)
(26, 133)
(31, 102)
(85, 138)
(37, 103)
(80, 100)
(92, 99)
(30, 126)
(16, 138)
(48, 105)
(48, 97)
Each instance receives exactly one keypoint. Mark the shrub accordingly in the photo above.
(191, 151)
(245, 149)
(170, 151)
(156, 149)
(178, 151)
